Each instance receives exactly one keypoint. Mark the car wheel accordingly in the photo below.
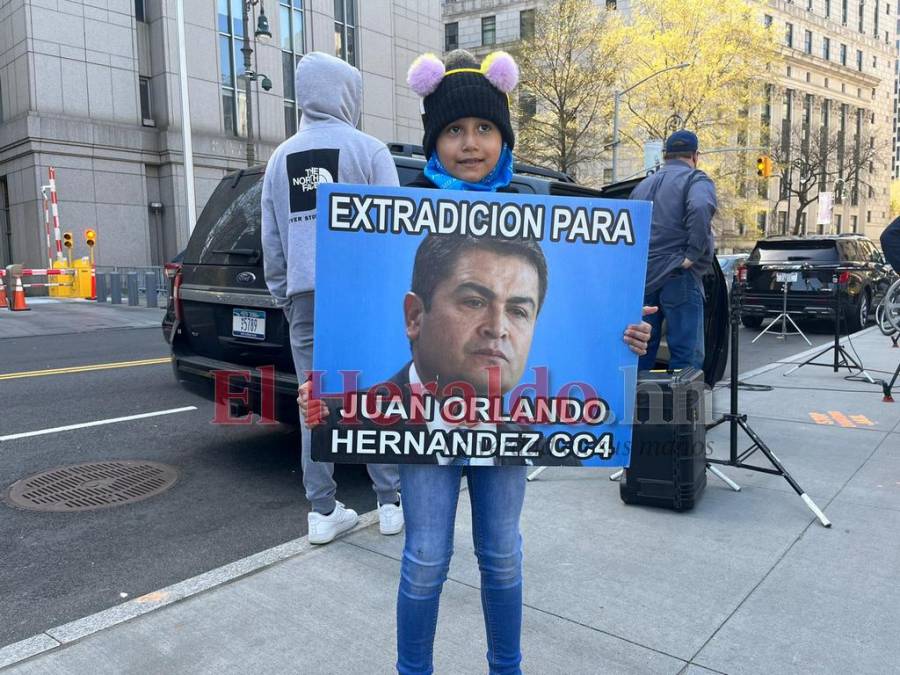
(752, 321)
(859, 315)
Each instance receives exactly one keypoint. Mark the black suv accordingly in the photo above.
(221, 316)
(816, 262)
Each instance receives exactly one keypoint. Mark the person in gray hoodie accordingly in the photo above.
(327, 148)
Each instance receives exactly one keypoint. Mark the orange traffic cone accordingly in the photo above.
(4, 301)
(18, 303)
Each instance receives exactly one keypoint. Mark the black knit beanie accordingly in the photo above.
(460, 87)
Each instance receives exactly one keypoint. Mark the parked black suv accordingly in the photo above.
(221, 317)
(852, 260)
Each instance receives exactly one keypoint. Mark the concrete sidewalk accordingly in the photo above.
(59, 316)
(747, 582)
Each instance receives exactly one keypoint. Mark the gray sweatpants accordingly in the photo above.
(317, 476)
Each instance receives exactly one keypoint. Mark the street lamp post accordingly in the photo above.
(262, 30)
(616, 97)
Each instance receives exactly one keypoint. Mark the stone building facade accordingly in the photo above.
(92, 88)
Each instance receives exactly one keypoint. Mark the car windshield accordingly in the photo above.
(818, 251)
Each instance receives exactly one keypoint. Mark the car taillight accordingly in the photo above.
(176, 295)
(844, 277)
(740, 272)
(171, 269)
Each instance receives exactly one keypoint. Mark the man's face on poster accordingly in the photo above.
(481, 316)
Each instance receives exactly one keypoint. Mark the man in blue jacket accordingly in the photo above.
(681, 250)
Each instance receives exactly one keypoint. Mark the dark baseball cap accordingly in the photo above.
(682, 141)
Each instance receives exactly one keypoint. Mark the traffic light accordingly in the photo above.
(90, 237)
(763, 166)
(67, 239)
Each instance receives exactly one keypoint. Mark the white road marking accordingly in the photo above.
(96, 423)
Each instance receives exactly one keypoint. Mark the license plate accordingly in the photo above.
(788, 277)
(248, 323)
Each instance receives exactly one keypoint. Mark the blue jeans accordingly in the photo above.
(430, 494)
(680, 301)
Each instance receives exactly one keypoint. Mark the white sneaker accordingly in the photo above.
(323, 529)
(390, 519)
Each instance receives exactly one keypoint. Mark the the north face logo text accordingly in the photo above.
(312, 179)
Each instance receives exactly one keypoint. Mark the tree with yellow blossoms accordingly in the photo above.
(582, 53)
(731, 56)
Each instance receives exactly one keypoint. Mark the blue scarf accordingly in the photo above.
(498, 177)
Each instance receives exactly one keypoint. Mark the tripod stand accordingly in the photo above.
(735, 420)
(842, 358)
(785, 276)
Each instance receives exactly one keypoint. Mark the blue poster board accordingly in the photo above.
(577, 366)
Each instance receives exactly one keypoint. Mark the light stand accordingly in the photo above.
(842, 358)
(736, 420)
(785, 276)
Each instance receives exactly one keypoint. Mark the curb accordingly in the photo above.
(62, 636)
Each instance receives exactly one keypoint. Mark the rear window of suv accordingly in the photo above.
(814, 251)
(230, 221)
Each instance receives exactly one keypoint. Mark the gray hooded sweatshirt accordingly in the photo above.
(327, 148)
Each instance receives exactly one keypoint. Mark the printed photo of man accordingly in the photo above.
(470, 315)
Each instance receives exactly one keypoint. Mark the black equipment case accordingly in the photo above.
(668, 450)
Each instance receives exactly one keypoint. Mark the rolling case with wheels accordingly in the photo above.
(668, 451)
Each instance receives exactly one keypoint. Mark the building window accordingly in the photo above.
(139, 10)
(807, 42)
(488, 30)
(234, 98)
(292, 43)
(809, 4)
(859, 60)
(862, 15)
(789, 35)
(451, 36)
(826, 49)
(843, 55)
(526, 24)
(844, 12)
(146, 110)
(607, 176)
(767, 21)
(868, 216)
(838, 222)
(875, 29)
(345, 30)
(827, 9)
(611, 4)
(853, 224)
(782, 222)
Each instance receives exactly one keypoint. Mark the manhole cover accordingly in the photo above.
(98, 485)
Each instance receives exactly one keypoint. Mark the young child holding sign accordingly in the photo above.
(472, 308)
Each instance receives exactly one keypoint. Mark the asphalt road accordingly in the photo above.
(239, 490)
